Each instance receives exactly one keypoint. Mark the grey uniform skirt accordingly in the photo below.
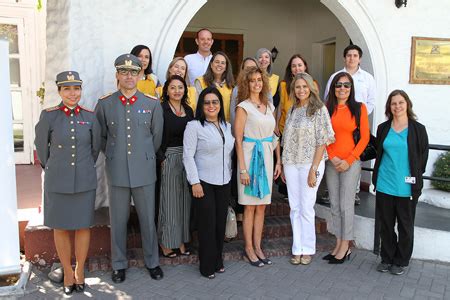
(69, 211)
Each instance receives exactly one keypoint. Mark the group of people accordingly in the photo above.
(188, 142)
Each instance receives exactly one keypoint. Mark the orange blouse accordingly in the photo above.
(343, 125)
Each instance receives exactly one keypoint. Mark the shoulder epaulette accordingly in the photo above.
(105, 96)
(86, 109)
(151, 97)
(52, 108)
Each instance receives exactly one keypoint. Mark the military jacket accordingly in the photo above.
(131, 131)
(67, 144)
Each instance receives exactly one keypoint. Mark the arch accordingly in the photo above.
(174, 25)
(359, 25)
(352, 14)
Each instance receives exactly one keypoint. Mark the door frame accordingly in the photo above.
(31, 38)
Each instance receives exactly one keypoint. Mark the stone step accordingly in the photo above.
(232, 251)
(39, 246)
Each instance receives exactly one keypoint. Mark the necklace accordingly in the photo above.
(258, 105)
(179, 112)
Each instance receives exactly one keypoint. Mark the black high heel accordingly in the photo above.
(68, 290)
(329, 256)
(256, 263)
(335, 261)
(80, 287)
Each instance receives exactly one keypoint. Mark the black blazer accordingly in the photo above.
(417, 152)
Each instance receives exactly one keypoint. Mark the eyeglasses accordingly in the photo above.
(347, 85)
(126, 72)
(213, 102)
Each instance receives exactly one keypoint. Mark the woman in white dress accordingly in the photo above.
(255, 143)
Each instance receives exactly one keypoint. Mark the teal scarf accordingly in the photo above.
(259, 186)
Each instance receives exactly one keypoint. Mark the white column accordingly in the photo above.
(10, 255)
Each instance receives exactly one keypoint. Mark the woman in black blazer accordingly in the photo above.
(402, 154)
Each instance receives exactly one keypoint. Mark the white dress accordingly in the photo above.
(257, 126)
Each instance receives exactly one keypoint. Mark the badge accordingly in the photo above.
(410, 180)
(144, 111)
(83, 122)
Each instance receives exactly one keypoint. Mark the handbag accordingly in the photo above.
(370, 152)
(231, 224)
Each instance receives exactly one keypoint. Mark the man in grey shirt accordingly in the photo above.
(131, 130)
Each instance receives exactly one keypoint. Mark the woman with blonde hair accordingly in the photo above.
(254, 129)
(307, 132)
(178, 66)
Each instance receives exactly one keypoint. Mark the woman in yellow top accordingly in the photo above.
(264, 58)
(148, 81)
(219, 74)
(178, 66)
(297, 64)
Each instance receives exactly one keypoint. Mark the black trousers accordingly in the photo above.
(212, 211)
(391, 209)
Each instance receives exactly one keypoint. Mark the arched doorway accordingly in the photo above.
(352, 16)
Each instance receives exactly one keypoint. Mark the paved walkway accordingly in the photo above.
(355, 279)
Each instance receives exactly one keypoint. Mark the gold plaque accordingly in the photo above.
(430, 61)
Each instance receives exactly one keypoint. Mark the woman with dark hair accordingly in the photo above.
(344, 167)
(175, 199)
(219, 74)
(255, 145)
(147, 80)
(402, 154)
(178, 66)
(208, 145)
(265, 60)
(308, 130)
(70, 180)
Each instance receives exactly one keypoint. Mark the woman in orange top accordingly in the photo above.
(344, 167)
(147, 80)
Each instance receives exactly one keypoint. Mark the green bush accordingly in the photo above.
(442, 169)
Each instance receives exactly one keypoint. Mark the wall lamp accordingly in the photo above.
(399, 3)
(274, 52)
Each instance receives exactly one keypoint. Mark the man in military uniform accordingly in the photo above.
(132, 128)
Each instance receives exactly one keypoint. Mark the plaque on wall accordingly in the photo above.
(430, 61)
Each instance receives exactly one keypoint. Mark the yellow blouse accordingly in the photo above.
(147, 86)
(225, 91)
(192, 96)
(273, 83)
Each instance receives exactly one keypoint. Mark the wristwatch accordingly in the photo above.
(243, 171)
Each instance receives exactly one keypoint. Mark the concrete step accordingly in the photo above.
(40, 249)
(232, 251)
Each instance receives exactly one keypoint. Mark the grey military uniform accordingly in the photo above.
(131, 134)
(67, 144)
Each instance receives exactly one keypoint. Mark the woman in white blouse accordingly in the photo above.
(307, 131)
(207, 148)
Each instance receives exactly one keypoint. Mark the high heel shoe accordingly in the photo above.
(80, 287)
(335, 261)
(68, 290)
(329, 256)
(256, 263)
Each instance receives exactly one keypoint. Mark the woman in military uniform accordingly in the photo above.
(67, 144)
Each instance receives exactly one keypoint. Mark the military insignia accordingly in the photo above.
(128, 63)
(105, 96)
(144, 111)
(70, 77)
(83, 122)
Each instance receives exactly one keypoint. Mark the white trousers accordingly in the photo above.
(301, 201)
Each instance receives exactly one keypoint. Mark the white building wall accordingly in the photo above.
(88, 35)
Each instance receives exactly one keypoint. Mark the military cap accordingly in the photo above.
(68, 78)
(128, 61)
